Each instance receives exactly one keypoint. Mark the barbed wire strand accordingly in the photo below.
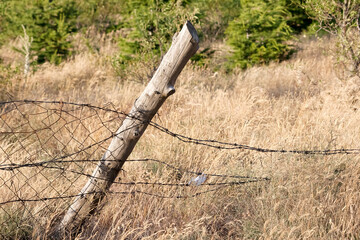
(11, 167)
(69, 121)
(205, 142)
(221, 186)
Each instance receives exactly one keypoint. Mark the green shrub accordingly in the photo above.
(103, 15)
(49, 23)
(259, 30)
(151, 25)
(13, 14)
(53, 22)
(299, 20)
(262, 31)
(14, 226)
(259, 33)
(214, 15)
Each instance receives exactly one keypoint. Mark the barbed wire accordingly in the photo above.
(120, 192)
(204, 142)
(219, 186)
(69, 138)
(13, 166)
(151, 183)
(230, 146)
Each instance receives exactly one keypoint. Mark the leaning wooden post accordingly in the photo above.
(161, 86)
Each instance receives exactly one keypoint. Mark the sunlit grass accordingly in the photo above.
(303, 103)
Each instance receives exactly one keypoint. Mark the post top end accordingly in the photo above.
(192, 31)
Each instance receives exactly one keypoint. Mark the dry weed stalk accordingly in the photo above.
(26, 45)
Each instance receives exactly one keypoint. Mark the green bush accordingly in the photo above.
(259, 33)
(257, 30)
(53, 22)
(103, 15)
(13, 14)
(262, 31)
(151, 25)
(214, 15)
(14, 225)
(49, 23)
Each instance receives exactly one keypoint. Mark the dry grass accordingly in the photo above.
(303, 103)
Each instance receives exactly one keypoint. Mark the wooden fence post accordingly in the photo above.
(161, 86)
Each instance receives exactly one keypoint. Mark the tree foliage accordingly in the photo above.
(258, 30)
(262, 31)
(104, 15)
(152, 24)
(214, 16)
(49, 23)
(52, 24)
(340, 18)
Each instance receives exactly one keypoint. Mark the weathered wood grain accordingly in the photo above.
(161, 86)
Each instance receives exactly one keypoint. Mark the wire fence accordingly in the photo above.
(48, 150)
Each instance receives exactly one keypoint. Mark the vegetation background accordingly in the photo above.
(268, 73)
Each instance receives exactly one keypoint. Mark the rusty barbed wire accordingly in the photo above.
(49, 148)
(204, 142)
(45, 143)
(11, 167)
(232, 146)
(220, 186)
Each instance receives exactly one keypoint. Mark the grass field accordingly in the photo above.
(304, 103)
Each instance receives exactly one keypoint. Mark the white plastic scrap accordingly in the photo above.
(197, 181)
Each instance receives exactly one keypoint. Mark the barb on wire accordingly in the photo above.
(229, 146)
(13, 166)
(231, 183)
(62, 140)
(204, 142)
(219, 186)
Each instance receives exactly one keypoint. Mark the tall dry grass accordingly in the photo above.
(303, 103)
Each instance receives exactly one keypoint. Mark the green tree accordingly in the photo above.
(214, 16)
(49, 23)
(258, 34)
(151, 25)
(13, 14)
(53, 22)
(263, 30)
(299, 20)
(103, 15)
